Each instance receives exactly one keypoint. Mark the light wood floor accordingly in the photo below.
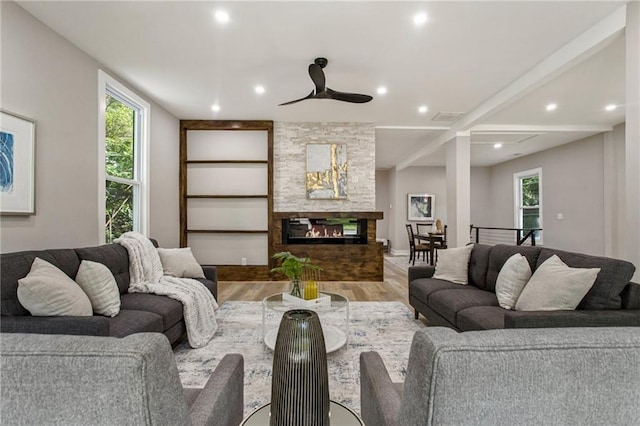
(393, 288)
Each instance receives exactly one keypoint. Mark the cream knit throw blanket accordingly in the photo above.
(145, 270)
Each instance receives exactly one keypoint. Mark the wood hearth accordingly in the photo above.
(339, 261)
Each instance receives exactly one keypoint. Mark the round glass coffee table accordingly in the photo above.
(338, 414)
(334, 317)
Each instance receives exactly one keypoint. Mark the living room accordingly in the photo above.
(590, 169)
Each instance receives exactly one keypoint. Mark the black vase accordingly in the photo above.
(300, 383)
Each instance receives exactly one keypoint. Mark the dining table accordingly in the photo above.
(432, 238)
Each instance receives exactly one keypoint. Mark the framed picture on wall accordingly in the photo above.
(17, 164)
(421, 207)
(326, 176)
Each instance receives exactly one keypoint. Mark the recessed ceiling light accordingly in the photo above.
(222, 16)
(551, 107)
(423, 109)
(611, 107)
(215, 108)
(420, 18)
(259, 90)
(382, 90)
(497, 145)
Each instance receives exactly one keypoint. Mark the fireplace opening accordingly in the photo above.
(324, 231)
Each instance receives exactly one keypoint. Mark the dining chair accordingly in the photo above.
(416, 249)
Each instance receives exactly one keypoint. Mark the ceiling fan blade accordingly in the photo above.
(317, 75)
(309, 96)
(356, 98)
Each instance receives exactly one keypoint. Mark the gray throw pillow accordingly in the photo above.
(556, 286)
(47, 291)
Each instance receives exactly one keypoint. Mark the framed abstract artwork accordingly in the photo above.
(326, 176)
(17, 164)
(421, 207)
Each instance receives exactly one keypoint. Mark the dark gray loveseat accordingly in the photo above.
(138, 312)
(612, 301)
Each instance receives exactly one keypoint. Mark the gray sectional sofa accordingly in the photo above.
(612, 301)
(138, 312)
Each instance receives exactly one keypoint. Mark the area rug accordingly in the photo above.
(384, 327)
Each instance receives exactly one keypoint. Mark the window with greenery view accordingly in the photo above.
(124, 180)
(528, 191)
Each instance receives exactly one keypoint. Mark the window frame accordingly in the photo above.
(517, 198)
(108, 85)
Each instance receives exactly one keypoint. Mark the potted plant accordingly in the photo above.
(293, 267)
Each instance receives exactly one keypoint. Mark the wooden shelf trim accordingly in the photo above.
(227, 231)
(227, 196)
(227, 161)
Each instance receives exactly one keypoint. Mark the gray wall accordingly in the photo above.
(46, 78)
(572, 184)
(481, 196)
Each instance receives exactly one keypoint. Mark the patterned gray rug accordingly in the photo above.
(384, 327)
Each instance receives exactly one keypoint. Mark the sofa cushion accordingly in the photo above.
(97, 282)
(14, 266)
(481, 318)
(513, 276)
(180, 263)
(47, 291)
(448, 303)
(170, 310)
(128, 322)
(554, 286)
(499, 255)
(114, 257)
(423, 288)
(478, 264)
(613, 277)
(453, 264)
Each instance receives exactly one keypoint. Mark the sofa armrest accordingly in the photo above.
(416, 272)
(210, 272)
(86, 326)
(379, 397)
(221, 401)
(582, 318)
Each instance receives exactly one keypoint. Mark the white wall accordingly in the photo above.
(46, 78)
(572, 184)
(481, 196)
(382, 202)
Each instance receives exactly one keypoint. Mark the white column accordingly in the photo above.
(458, 189)
(632, 137)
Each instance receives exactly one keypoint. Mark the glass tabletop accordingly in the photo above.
(276, 302)
(339, 414)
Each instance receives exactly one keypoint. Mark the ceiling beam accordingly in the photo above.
(523, 128)
(577, 50)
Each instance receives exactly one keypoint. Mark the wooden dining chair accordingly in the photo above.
(441, 244)
(416, 249)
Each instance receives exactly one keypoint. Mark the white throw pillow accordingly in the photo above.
(98, 283)
(180, 263)
(47, 291)
(512, 278)
(453, 264)
(556, 286)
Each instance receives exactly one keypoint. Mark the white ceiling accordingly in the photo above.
(467, 54)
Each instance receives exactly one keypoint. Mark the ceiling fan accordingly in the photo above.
(323, 92)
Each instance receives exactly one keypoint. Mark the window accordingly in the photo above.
(123, 155)
(528, 201)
